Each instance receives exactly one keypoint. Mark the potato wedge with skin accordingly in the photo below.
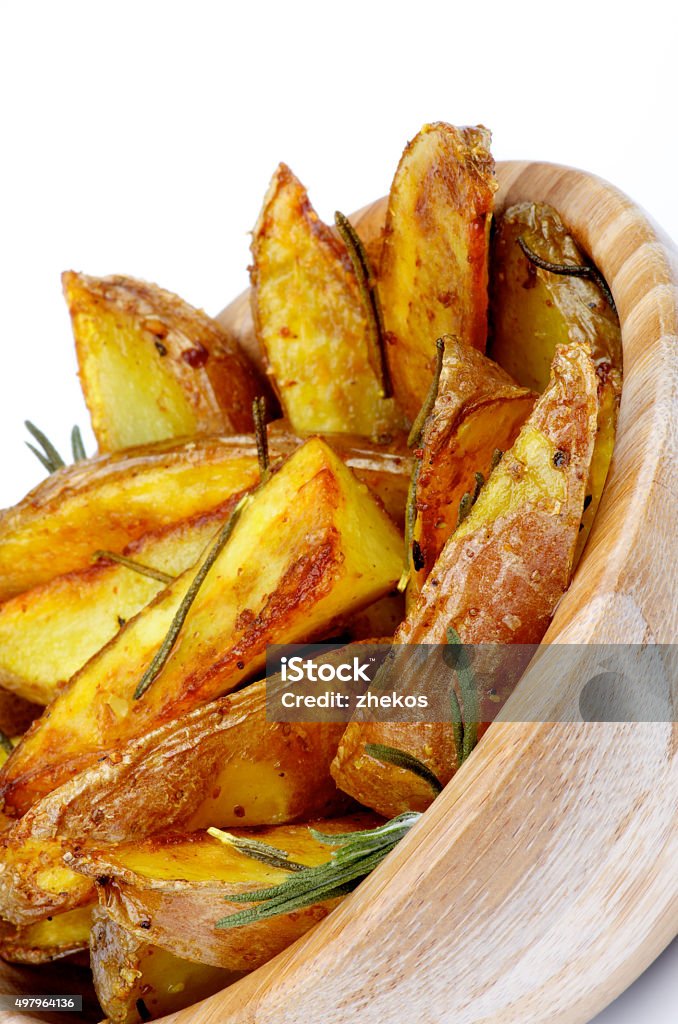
(478, 409)
(498, 578)
(148, 887)
(222, 764)
(136, 981)
(532, 310)
(55, 937)
(48, 633)
(434, 266)
(109, 501)
(311, 319)
(153, 367)
(311, 546)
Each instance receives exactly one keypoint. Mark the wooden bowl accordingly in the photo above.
(542, 881)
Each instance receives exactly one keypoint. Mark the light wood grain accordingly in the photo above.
(542, 881)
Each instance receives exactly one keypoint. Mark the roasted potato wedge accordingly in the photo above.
(533, 310)
(153, 367)
(51, 939)
(434, 266)
(16, 713)
(109, 501)
(136, 981)
(148, 887)
(48, 633)
(498, 578)
(311, 546)
(311, 319)
(221, 764)
(478, 411)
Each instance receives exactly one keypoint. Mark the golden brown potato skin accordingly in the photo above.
(532, 310)
(312, 546)
(55, 937)
(153, 367)
(434, 265)
(222, 764)
(478, 409)
(130, 975)
(311, 319)
(148, 887)
(109, 501)
(34, 882)
(501, 573)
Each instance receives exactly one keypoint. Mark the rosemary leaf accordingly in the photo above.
(51, 459)
(5, 743)
(417, 428)
(411, 516)
(162, 654)
(355, 856)
(470, 498)
(589, 270)
(257, 850)
(401, 759)
(497, 456)
(130, 563)
(261, 435)
(376, 352)
(469, 693)
(77, 446)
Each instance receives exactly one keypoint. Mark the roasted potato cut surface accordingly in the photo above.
(56, 936)
(498, 578)
(311, 546)
(109, 501)
(477, 415)
(153, 367)
(434, 266)
(148, 887)
(136, 981)
(221, 764)
(533, 310)
(48, 633)
(312, 320)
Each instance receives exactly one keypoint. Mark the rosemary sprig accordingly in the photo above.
(162, 654)
(355, 856)
(367, 285)
(49, 456)
(588, 270)
(261, 435)
(470, 498)
(77, 445)
(417, 428)
(6, 743)
(130, 563)
(469, 693)
(401, 759)
(263, 852)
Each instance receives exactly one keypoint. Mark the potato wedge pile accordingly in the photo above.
(406, 441)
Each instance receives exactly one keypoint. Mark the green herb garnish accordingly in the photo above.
(130, 563)
(47, 454)
(161, 656)
(261, 435)
(6, 743)
(589, 270)
(263, 852)
(470, 498)
(469, 693)
(355, 856)
(376, 352)
(77, 445)
(417, 429)
(401, 759)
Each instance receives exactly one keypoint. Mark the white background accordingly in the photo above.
(139, 138)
